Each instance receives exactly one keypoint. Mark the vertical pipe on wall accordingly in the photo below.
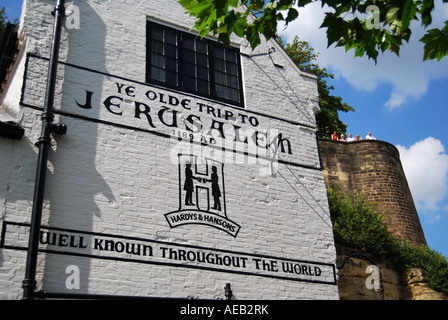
(29, 284)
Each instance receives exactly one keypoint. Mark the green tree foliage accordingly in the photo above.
(4, 22)
(360, 225)
(328, 118)
(348, 23)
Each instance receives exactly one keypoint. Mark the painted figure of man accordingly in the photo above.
(188, 185)
(216, 192)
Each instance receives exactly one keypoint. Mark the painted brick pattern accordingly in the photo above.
(116, 176)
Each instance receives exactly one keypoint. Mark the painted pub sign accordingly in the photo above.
(170, 181)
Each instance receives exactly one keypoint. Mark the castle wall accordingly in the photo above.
(373, 168)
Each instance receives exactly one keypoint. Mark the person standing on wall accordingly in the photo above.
(334, 136)
(350, 138)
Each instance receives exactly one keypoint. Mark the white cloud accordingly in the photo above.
(426, 167)
(396, 100)
(408, 75)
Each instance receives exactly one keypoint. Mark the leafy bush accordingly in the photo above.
(360, 224)
(434, 264)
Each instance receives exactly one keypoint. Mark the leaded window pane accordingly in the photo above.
(185, 62)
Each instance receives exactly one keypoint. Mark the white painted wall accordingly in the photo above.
(114, 176)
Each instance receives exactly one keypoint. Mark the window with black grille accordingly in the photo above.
(182, 61)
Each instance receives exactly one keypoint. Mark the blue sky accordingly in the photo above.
(402, 100)
(13, 8)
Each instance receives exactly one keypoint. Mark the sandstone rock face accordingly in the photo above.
(417, 288)
(353, 277)
(352, 266)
